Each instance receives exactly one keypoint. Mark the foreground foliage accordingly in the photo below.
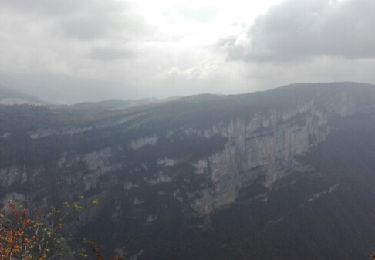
(26, 235)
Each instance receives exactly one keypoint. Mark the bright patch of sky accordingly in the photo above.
(198, 22)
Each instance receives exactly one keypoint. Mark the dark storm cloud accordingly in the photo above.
(302, 29)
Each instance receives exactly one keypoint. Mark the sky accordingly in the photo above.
(69, 51)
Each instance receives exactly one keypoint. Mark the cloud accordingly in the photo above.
(110, 53)
(84, 41)
(43, 7)
(83, 19)
(299, 30)
(70, 51)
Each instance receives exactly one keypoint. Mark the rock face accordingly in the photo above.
(268, 142)
(139, 143)
(227, 173)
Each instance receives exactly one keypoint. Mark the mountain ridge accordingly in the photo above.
(286, 172)
(10, 96)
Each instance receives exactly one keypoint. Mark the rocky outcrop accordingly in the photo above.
(96, 164)
(5, 135)
(267, 145)
(139, 143)
(12, 175)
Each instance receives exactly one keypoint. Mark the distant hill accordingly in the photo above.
(115, 104)
(10, 96)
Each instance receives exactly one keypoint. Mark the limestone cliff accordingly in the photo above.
(158, 170)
